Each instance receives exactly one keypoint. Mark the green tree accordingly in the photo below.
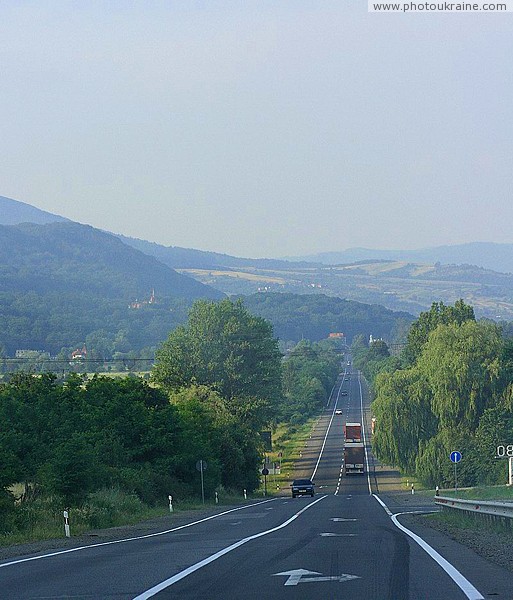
(461, 366)
(438, 314)
(403, 417)
(225, 347)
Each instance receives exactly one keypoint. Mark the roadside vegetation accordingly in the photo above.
(450, 389)
(493, 493)
(111, 450)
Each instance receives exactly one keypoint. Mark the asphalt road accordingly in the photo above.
(341, 544)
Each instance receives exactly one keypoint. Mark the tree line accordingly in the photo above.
(451, 388)
(218, 380)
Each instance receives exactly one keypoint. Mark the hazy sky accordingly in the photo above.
(260, 128)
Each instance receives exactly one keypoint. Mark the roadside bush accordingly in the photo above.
(6, 510)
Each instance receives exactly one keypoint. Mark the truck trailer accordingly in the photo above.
(353, 432)
(354, 458)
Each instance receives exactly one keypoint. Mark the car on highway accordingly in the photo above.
(302, 487)
(343, 393)
(338, 411)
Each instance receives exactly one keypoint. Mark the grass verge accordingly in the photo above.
(42, 519)
(496, 492)
(289, 442)
(468, 521)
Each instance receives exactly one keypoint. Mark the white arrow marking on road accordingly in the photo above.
(299, 576)
(340, 520)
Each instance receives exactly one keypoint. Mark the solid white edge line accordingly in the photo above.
(328, 429)
(460, 580)
(206, 561)
(132, 539)
(364, 436)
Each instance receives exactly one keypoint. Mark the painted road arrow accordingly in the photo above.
(299, 576)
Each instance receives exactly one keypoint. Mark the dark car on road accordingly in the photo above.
(302, 487)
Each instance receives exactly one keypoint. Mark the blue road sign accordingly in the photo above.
(455, 456)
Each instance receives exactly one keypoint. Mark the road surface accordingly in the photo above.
(343, 543)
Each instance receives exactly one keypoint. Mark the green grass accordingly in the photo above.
(290, 440)
(407, 480)
(466, 521)
(497, 492)
(43, 519)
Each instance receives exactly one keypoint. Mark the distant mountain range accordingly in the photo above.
(188, 258)
(488, 255)
(126, 267)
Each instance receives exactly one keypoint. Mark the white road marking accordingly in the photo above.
(327, 432)
(299, 576)
(206, 561)
(132, 539)
(462, 582)
(363, 434)
(338, 534)
(341, 520)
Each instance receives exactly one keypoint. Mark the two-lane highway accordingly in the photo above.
(342, 543)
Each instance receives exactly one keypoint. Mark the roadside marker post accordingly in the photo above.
(245, 494)
(170, 503)
(66, 524)
(217, 498)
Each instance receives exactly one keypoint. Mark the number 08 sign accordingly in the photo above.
(504, 451)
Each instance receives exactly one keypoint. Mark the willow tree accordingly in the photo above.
(461, 364)
(428, 321)
(403, 417)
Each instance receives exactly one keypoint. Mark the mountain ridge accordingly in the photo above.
(14, 212)
(488, 255)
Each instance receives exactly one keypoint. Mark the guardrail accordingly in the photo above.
(477, 507)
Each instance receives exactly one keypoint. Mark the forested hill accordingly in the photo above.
(65, 284)
(13, 212)
(69, 257)
(315, 316)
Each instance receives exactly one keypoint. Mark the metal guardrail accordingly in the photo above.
(485, 507)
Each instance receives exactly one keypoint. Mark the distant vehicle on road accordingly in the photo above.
(302, 487)
(338, 411)
(343, 393)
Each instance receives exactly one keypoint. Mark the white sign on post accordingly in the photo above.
(506, 451)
